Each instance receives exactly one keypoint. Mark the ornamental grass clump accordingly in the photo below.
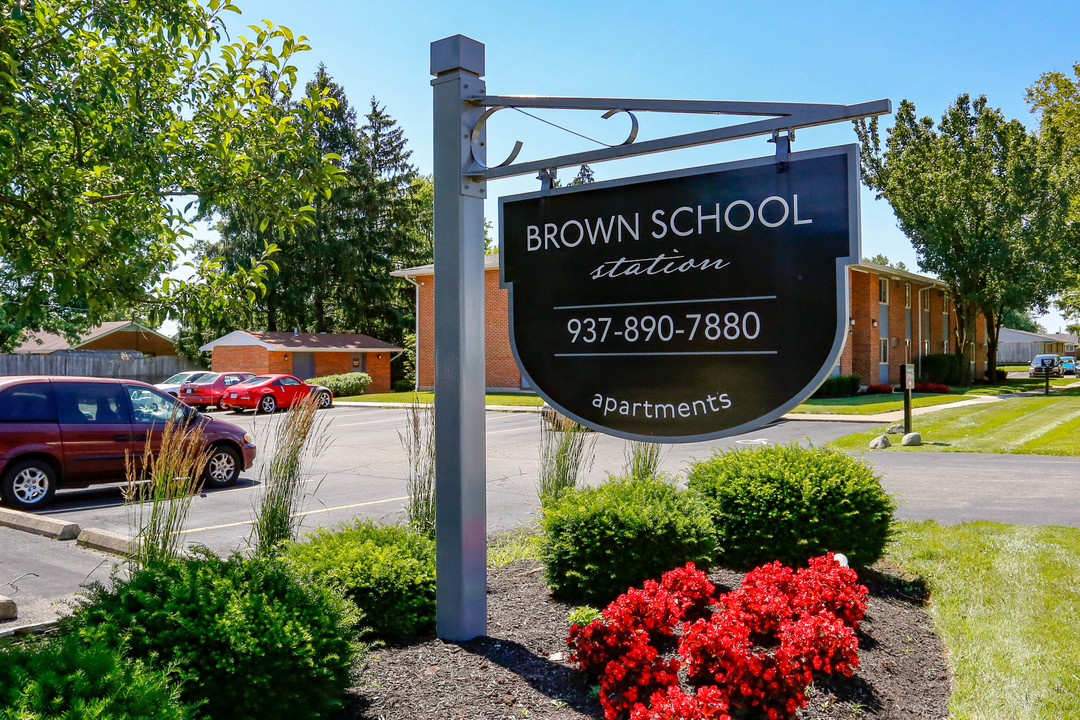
(244, 638)
(418, 441)
(597, 542)
(566, 456)
(791, 503)
(750, 653)
(160, 486)
(299, 440)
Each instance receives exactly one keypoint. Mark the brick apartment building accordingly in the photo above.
(895, 317)
(305, 355)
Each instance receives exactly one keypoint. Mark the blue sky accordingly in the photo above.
(826, 52)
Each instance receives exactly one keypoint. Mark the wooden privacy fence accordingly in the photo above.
(151, 370)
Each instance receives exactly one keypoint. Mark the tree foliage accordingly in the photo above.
(334, 273)
(977, 195)
(120, 126)
(1056, 98)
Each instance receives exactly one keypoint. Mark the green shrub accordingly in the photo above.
(252, 637)
(838, 386)
(790, 503)
(597, 542)
(941, 368)
(61, 677)
(344, 385)
(387, 570)
(404, 385)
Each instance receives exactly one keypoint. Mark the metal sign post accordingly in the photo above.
(460, 487)
(907, 380)
(462, 109)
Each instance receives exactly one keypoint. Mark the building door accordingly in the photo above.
(303, 365)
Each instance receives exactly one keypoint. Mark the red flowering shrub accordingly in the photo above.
(879, 389)
(931, 387)
(757, 652)
(691, 589)
(710, 703)
(826, 586)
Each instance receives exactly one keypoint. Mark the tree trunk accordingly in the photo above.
(993, 332)
(966, 313)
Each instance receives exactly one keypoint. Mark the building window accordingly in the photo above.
(883, 343)
(883, 290)
(907, 296)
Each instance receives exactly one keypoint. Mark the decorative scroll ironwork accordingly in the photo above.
(779, 117)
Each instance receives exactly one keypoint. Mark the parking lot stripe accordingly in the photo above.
(369, 422)
(308, 512)
(517, 429)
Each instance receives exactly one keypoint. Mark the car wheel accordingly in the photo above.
(221, 404)
(325, 399)
(268, 404)
(29, 485)
(223, 467)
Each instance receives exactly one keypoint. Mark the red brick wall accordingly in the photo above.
(278, 362)
(332, 363)
(378, 367)
(239, 358)
(862, 337)
(425, 338)
(499, 367)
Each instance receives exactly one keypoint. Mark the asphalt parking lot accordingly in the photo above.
(361, 473)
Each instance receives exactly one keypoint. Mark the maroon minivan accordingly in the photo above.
(76, 431)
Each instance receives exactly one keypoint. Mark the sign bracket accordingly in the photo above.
(780, 117)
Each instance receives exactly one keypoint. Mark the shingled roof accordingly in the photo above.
(301, 341)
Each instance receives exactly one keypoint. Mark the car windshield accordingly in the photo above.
(204, 378)
(257, 380)
(178, 378)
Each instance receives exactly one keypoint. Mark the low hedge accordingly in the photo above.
(345, 385)
(387, 570)
(879, 389)
(838, 386)
(597, 542)
(61, 677)
(247, 638)
(790, 503)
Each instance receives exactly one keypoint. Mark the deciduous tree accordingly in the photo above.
(120, 126)
(976, 195)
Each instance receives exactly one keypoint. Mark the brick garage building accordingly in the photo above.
(305, 355)
(895, 317)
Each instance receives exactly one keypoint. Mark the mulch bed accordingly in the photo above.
(520, 670)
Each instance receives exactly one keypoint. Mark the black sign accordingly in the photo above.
(684, 306)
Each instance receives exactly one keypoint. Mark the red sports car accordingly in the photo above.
(267, 393)
(208, 390)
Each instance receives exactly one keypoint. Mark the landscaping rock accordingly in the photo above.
(880, 443)
(895, 430)
(912, 438)
(8, 609)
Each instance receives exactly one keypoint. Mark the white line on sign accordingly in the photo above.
(664, 302)
(640, 354)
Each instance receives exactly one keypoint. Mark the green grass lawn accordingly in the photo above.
(1014, 386)
(427, 397)
(1006, 601)
(1035, 425)
(872, 404)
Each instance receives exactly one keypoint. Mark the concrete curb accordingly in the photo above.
(29, 628)
(109, 542)
(39, 525)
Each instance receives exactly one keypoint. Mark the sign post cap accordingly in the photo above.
(457, 52)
